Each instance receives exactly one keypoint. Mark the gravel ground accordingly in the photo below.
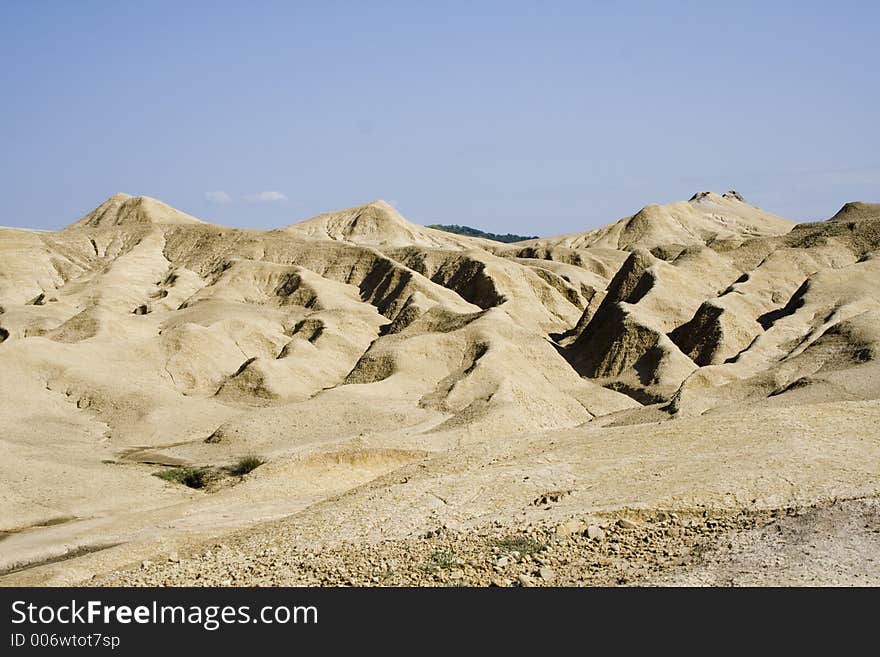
(829, 544)
(826, 545)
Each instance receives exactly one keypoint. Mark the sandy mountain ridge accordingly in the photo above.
(705, 218)
(379, 224)
(123, 209)
(346, 346)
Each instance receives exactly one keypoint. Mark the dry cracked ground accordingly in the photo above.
(688, 396)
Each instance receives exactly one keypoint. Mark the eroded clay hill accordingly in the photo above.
(139, 334)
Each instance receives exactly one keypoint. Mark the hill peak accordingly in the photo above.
(730, 195)
(123, 209)
(382, 204)
(378, 223)
(704, 218)
(856, 211)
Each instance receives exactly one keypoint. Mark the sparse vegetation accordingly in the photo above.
(200, 477)
(522, 544)
(475, 232)
(441, 560)
(190, 477)
(245, 464)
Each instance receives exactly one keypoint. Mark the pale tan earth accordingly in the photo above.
(642, 404)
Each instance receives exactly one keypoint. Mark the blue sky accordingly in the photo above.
(506, 116)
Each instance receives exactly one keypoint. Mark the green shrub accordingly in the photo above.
(444, 559)
(245, 464)
(440, 560)
(190, 477)
(521, 544)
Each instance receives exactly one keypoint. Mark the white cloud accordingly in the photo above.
(265, 197)
(219, 197)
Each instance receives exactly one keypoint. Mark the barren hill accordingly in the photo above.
(380, 224)
(122, 209)
(395, 377)
(705, 218)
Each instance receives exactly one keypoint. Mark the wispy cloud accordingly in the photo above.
(219, 197)
(265, 197)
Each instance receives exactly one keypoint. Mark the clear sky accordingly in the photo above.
(536, 117)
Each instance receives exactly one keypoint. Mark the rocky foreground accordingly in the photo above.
(832, 543)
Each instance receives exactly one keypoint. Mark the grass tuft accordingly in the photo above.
(190, 477)
(440, 560)
(244, 465)
(521, 544)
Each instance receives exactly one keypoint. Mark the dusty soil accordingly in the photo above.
(830, 544)
(824, 545)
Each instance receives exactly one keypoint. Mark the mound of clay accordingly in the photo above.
(707, 217)
(122, 209)
(379, 224)
(857, 211)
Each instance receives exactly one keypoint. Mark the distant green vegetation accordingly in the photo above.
(473, 232)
